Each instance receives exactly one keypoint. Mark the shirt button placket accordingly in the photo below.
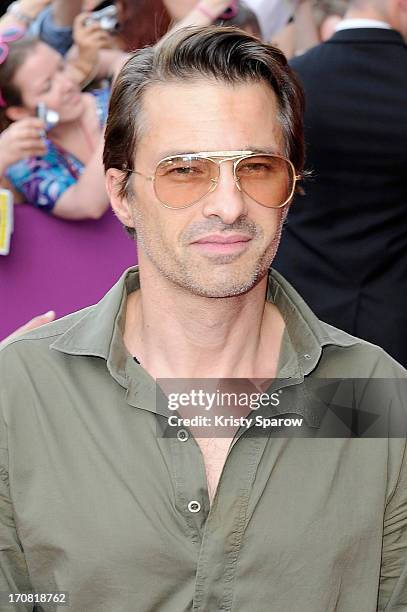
(190, 484)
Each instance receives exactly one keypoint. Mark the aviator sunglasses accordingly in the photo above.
(181, 181)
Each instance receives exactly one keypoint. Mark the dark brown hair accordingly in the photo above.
(18, 52)
(225, 54)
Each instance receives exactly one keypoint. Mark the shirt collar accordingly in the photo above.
(98, 332)
(350, 24)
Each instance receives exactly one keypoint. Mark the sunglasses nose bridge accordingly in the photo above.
(235, 162)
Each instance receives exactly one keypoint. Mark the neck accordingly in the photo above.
(176, 334)
(366, 12)
(74, 136)
(60, 131)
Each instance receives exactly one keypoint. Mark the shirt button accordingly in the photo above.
(194, 506)
(182, 435)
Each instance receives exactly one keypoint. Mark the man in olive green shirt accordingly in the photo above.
(98, 500)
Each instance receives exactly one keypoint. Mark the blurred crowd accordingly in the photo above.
(58, 60)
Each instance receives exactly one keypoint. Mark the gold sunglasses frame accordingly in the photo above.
(219, 157)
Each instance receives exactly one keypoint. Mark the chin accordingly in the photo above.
(219, 277)
(219, 283)
(218, 291)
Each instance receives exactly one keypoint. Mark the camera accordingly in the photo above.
(106, 18)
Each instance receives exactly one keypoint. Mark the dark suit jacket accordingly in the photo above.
(344, 247)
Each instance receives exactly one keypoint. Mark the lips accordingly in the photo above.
(218, 245)
(219, 239)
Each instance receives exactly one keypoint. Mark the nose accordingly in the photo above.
(226, 201)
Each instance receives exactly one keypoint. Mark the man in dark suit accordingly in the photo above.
(344, 247)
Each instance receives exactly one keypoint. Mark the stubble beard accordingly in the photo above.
(184, 274)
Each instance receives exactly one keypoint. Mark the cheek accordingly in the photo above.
(30, 102)
(155, 222)
(270, 221)
(67, 111)
(149, 226)
(164, 229)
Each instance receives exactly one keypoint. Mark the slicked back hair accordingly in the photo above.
(222, 54)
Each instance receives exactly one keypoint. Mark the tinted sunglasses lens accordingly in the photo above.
(182, 181)
(267, 179)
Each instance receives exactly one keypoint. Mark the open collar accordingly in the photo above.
(98, 333)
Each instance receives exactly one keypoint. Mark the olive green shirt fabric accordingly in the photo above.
(93, 502)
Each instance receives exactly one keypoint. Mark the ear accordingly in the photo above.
(120, 204)
(15, 113)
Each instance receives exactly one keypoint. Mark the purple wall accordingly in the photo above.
(59, 265)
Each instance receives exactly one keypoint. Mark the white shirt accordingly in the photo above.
(349, 24)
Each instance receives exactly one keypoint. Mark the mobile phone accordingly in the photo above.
(47, 115)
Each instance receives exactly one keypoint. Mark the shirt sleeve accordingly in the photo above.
(44, 27)
(393, 570)
(41, 182)
(393, 575)
(14, 577)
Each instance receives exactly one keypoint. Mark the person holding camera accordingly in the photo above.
(61, 178)
(95, 51)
